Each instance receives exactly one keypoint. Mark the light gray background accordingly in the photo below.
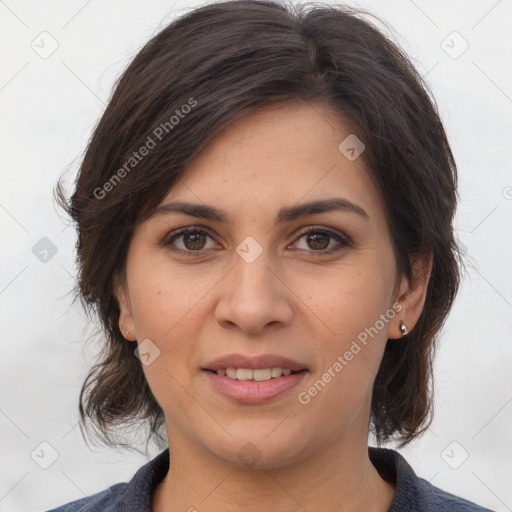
(49, 108)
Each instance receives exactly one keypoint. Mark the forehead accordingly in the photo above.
(280, 155)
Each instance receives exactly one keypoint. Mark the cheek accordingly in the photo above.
(355, 308)
(168, 306)
(164, 298)
(352, 301)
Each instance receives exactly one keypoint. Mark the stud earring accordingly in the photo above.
(403, 329)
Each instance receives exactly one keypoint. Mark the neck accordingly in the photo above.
(336, 478)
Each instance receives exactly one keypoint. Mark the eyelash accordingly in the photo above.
(341, 239)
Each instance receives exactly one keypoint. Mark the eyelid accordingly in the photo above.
(181, 231)
(342, 238)
(318, 228)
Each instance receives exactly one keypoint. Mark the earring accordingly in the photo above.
(127, 331)
(403, 329)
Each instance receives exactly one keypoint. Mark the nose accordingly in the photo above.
(254, 297)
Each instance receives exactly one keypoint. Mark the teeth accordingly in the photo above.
(258, 375)
(262, 374)
(276, 372)
(244, 374)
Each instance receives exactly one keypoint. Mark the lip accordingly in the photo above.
(254, 363)
(253, 392)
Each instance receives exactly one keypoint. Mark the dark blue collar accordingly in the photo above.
(413, 494)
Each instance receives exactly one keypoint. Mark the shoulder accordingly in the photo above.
(415, 494)
(132, 496)
(106, 501)
(443, 500)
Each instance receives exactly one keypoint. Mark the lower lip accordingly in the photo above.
(254, 392)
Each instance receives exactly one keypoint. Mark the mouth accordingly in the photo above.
(258, 374)
(251, 391)
(254, 380)
(262, 364)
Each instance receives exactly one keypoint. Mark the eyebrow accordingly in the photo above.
(285, 214)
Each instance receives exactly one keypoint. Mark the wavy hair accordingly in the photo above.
(231, 58)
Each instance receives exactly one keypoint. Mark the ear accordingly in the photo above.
(411, 295)
(126, 322)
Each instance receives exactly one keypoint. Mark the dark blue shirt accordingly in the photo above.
(413, 494)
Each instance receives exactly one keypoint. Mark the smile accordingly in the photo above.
(259, 374)
(253, 386)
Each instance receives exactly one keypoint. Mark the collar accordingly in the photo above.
(412, 494)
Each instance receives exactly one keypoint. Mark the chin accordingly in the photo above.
(253, 448)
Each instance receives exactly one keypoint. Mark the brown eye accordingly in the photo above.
(194, 241)
(320, 241)
(188, 241)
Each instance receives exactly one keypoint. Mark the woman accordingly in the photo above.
(265, 230)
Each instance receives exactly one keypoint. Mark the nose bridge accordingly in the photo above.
(252, 296)
(252, 277)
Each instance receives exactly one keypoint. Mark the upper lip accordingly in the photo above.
(254, 362)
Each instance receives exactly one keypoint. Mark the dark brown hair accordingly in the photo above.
(208, 68)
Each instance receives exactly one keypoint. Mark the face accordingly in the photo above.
(266, 277)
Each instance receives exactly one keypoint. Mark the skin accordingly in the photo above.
(306, 306)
